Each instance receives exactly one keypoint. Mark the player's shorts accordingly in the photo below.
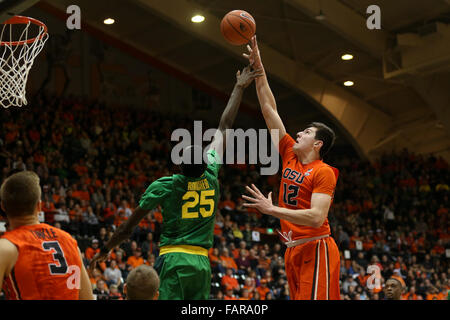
(183, 276)
(312, 270)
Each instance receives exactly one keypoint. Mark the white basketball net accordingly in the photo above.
(16, 59)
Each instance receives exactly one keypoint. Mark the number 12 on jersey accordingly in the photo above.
(194, 198)
(290, 192)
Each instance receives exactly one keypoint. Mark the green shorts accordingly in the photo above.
(183, 276)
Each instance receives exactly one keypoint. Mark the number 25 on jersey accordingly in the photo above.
(192, 199)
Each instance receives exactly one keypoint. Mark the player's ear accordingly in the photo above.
(156, 295)
(318, 143)
(39, 206)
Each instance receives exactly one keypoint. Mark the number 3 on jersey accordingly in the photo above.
(58, 255)
(193, 199)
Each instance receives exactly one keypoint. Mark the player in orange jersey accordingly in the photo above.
(37, 261)
(306, 192)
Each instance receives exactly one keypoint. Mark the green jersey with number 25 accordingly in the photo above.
(188, 205)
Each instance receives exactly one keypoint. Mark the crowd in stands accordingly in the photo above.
(389, 216)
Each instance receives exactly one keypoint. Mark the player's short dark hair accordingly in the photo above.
(190, 168)
(142, 283)
(324, 134)
(20, 193)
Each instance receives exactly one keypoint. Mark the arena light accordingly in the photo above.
(109, 21)
(347, 56)
(198, 18)
(348, 83)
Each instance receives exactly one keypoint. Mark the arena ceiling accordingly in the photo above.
(401, 73)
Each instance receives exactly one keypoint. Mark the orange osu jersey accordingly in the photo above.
(48, 266)
(298, 183)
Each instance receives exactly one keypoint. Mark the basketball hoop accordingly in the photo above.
(18, 49)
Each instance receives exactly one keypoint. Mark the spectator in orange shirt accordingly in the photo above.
(362, 277)
(263, 263)
(249, 285)
(94, 181)
(136, 259)
(229, 281)
(438, 249)
(233, 250)
(229, 295)
(434, 294)
(367, 243)
(214, 258)
(109, 213)
(84, 193)
(263, 289)
(92, 250)
(411, 295)
(245, 294)
(95, 276)
(80, 168)
(48, 206)
(355, 237)
(227, 261)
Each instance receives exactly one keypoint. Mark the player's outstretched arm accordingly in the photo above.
(243, 80)
(153, 196)
(122, 233)
(265, 95)
(313, 217)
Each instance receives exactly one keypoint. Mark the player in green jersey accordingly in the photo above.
(189, 201)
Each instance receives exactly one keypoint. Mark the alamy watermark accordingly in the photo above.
(74, 20)
(259, 143)
(374, 20)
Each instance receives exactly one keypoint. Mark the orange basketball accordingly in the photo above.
(238, 27)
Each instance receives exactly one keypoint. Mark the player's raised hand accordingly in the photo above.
(247, 76)
(253, 54)
(259, 201)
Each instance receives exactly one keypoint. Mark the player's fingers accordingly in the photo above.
(257, 190)
(257, 73)
(246, 55)
(249, 48)
(249, 198)
(253, 193)
(270, 196)
(251, 205)
(238, 73)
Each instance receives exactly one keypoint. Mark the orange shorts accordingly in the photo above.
(312, 270)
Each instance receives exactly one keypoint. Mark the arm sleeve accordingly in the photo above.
(156, 193)
(214, 162)
(325, 181)
(285, 146)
